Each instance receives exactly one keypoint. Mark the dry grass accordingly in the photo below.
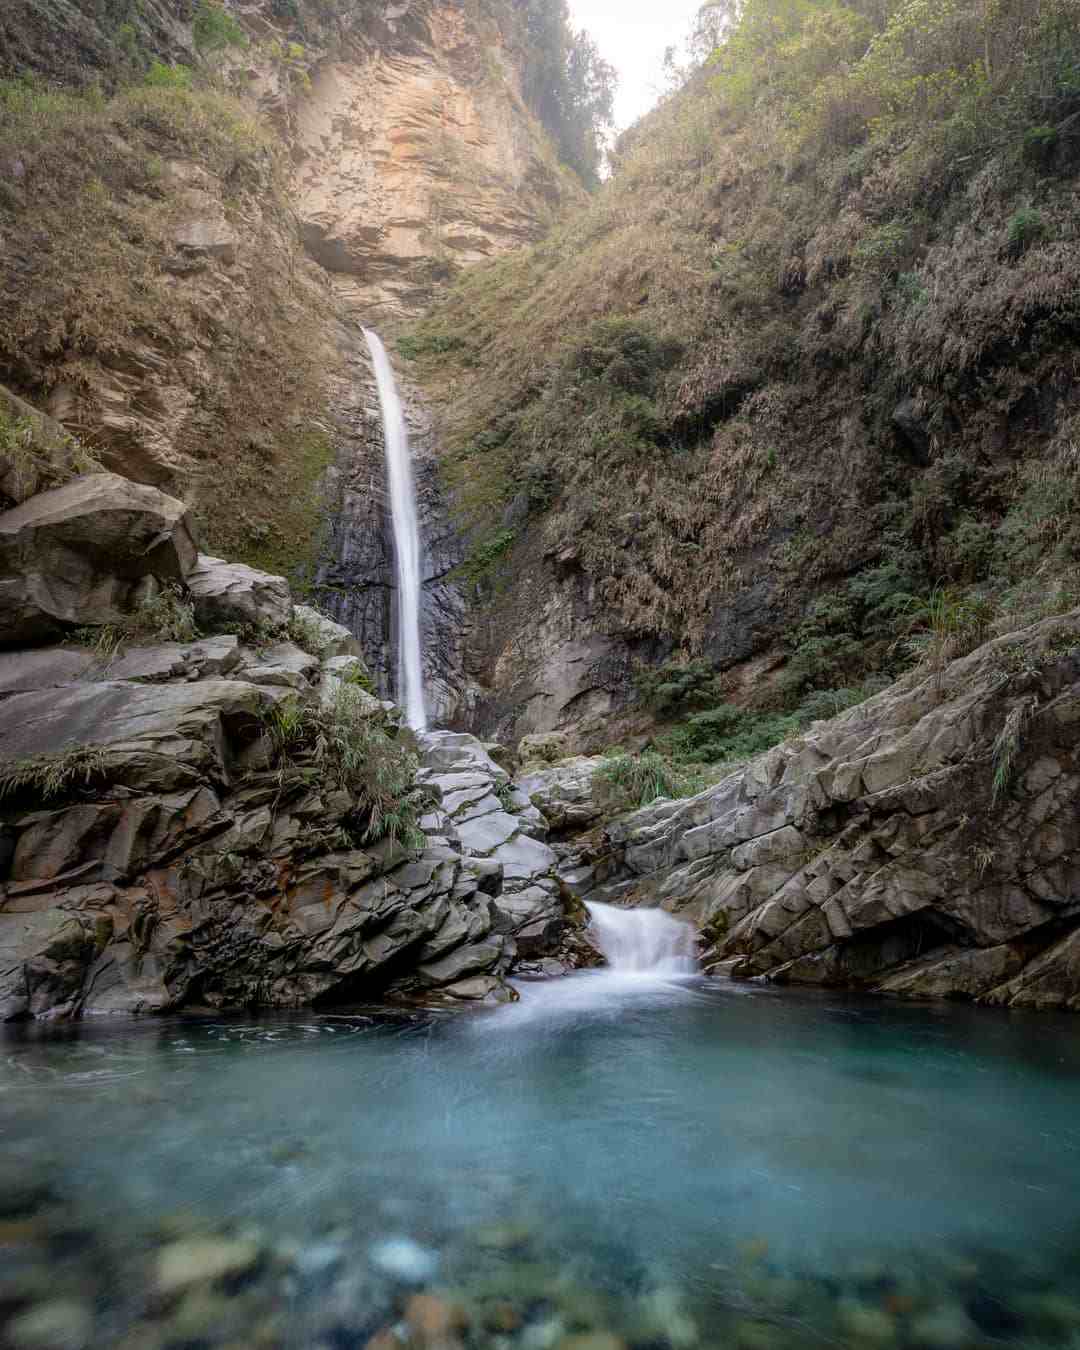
(821, 228)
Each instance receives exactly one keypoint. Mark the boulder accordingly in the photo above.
(233, 594)
(88, 553)
(282, 664)
(563, 794)
(543, 747)
(328, 639)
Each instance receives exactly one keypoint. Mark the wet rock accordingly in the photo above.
(196, 1261)
(229, 595)
(59, 1324)
(88, 553)
(433, 1320)
(947, 1327)
(867, 1325)
(405, 1260)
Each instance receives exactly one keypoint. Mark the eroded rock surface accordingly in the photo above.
(924, 843)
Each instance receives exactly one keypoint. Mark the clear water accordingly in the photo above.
(410, 690)
(675, 1161)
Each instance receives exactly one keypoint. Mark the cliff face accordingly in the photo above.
(415, 157)
(194, 320)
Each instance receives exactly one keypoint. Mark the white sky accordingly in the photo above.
(632, 35)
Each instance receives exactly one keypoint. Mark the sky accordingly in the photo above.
(632, 35)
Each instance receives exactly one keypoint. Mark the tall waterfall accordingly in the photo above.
(642, 941)
(406, 536)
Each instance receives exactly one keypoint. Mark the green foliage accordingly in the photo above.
(567, 84)
(352, 750)
(166, 76)
(1007, 746)
(955, 624)
(48, 777)
(626, 782)
(676, 688)
(413, 346)
(215, 29)
(35, 459)
(1025, 228)
(486, 557)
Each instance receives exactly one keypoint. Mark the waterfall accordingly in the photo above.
(642, 941)
(410, 689)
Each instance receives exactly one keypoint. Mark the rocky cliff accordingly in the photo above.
(922, 844)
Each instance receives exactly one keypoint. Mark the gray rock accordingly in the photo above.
(282, 664)
(88, 553)
(874, 851)
(58, 1324)
(563, 793)
(44, 668)
(228, 595)
(332, 639)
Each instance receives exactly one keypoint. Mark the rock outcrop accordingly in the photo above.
(170, 835)
(417, 156)
(86, 553)
(922, 843)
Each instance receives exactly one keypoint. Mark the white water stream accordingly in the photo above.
(642, 941)
(410, 690)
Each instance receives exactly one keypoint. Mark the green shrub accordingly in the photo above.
(168, 616)
(627, 782)
(1025, 228)
(167, 76)
(215, 29)
(675, 688)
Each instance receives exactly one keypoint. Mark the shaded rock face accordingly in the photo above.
(924, 843)
(187, 873)
(416, 156)
(86, 552)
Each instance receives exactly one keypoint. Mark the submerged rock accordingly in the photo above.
(196, 1261)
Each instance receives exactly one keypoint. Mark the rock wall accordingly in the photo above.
(921, 844)
(170, 836)
(416, 156)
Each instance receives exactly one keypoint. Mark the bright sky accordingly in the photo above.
(632, 35)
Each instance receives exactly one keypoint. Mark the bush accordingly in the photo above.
(627, 782)
(215, 29)
(1025, 228)
(163, 76)
(168, 616)
(675, 688)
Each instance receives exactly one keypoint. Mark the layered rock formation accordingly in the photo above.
(922, 843)
(417, 157)
(171, 835)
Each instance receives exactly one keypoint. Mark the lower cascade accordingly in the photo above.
(643, 941)
(410, 686)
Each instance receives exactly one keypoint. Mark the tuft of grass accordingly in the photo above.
(1007, 745)
(352, 750)
(215, 29)
(168, 616)
(48, 777)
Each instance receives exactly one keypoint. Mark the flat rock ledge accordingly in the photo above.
(925, 843)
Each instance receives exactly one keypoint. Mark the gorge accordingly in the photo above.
(539, 679)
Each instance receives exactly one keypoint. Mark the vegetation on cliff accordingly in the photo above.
(812, 348)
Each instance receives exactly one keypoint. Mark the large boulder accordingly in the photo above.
(88, 553)
(233, 594)
(564, 794)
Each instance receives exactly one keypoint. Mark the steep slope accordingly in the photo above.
(175, 180)
(797, 394)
